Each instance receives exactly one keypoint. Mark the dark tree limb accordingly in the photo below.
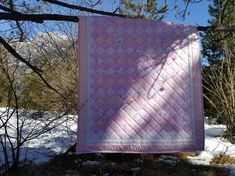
(14, 53)
(81, 8)
(186, 8)
(219, 29)
(32, 67)
(21, 31)
(38, 18)
(6, 9)
(12, 12)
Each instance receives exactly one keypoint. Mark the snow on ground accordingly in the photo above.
(231, 167)
(215, 145)
(135, 169)
(54, 142)
(171, 160)
(62, 136)
(44, 147)
(91, 163)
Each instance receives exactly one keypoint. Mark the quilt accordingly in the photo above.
(140, 88)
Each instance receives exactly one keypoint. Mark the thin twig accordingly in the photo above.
(81, 8)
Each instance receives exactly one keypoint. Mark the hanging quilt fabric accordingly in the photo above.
(140, 87)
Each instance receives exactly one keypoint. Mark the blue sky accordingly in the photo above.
(198, 12)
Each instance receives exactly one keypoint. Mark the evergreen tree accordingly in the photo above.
(214, 42)
(144, 9)
(219, 76)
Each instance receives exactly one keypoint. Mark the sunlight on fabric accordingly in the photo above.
(142, 86)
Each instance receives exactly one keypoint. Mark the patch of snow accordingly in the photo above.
(101, 155)
(42, 36)
(78, 161)
(138, 161)
(231, 167)
(171, 160)
(136, 169)
(203, 159)
(215, 145)
(45, 146)
(169, 157)
(90, 163)
(214, 130)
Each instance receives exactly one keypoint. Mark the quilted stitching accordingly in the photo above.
(147, 83)
(140, 82)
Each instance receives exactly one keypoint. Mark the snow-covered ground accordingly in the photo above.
(62, 136)
(43, 147)
(215, 145)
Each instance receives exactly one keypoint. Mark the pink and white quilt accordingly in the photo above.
(140, 87)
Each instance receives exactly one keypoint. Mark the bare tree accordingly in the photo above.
(219, 83)
(20, 121)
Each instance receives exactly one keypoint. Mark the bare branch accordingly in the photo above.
(32, 67)
(14, 53)
(186, 8)
(215, 28)
(7, 9)
(75, 7)
(39, 18)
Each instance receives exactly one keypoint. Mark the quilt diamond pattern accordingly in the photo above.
(139, 88)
